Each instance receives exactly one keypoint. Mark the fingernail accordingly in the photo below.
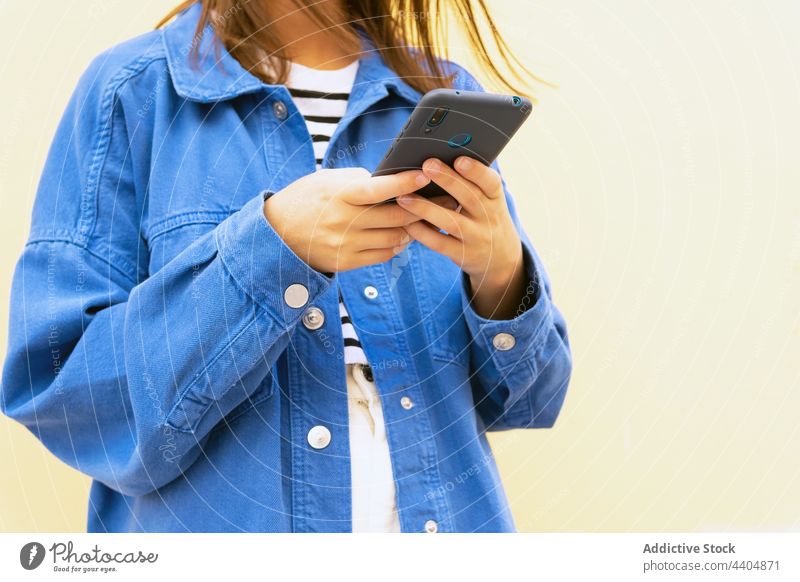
(401, 247)
(432, 165)
(465, 164)
(421, 180)
(405, 238)
(404, 199)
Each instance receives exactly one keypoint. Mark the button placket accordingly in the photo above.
(316, 415)
(410, 433)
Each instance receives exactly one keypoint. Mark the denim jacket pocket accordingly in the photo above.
(264, 391)
(201, 399)
(169, 237)
(438, 282)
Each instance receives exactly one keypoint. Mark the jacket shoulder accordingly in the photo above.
(143, 55)
(91, 130)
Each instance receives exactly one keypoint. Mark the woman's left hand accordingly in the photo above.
(481, 239)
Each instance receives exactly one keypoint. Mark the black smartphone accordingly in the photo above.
(449, 123)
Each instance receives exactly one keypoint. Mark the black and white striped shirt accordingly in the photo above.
(321, 96)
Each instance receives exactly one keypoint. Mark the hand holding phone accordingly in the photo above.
(448, 123)
(454, 136)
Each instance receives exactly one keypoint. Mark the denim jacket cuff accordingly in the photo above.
(264, 266)
(511, 341)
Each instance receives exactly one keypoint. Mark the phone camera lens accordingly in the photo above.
(437, 117)
(517, 101)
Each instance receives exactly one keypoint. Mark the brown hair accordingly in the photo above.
(394, 26)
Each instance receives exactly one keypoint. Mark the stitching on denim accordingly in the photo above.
(535, 341)
(521, 412)
(255, 399)
(436, 343)
(205, 371)
(432, 453)
(100, 153)
(177, 221)
(79, 246)
(220, 238)
(187, 90)
(218, 234)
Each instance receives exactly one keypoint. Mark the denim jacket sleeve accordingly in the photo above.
(120, 375)
(523, 386)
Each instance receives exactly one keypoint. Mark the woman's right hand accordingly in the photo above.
(334, 219)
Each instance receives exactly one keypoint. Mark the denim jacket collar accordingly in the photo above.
(216, 75)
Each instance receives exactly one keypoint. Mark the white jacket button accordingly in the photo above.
(319, 437)
(504, 341)
(296, 295)
(431, 526)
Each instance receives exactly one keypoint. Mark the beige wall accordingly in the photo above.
(661, 183)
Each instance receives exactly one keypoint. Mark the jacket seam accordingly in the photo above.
(84, 248)
(432, 452)
(101, 149)
(534, 343)
(230, 272)
(167, 225)
(518, 413)
(260, 395)
(438, 350)
(196, 379)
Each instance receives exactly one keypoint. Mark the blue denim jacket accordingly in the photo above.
(151, 346)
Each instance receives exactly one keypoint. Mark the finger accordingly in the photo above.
(393, 215)
(483, 176)
(445, 201)
(377, 189)
(447, 220)
(374, 256)
(388, 215)
(436, 241)
(380, 238)
(465, 192)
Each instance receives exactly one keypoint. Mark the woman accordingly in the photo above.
(226, 339)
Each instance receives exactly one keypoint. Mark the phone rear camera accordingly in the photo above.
(517, 101)
(437, 117)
